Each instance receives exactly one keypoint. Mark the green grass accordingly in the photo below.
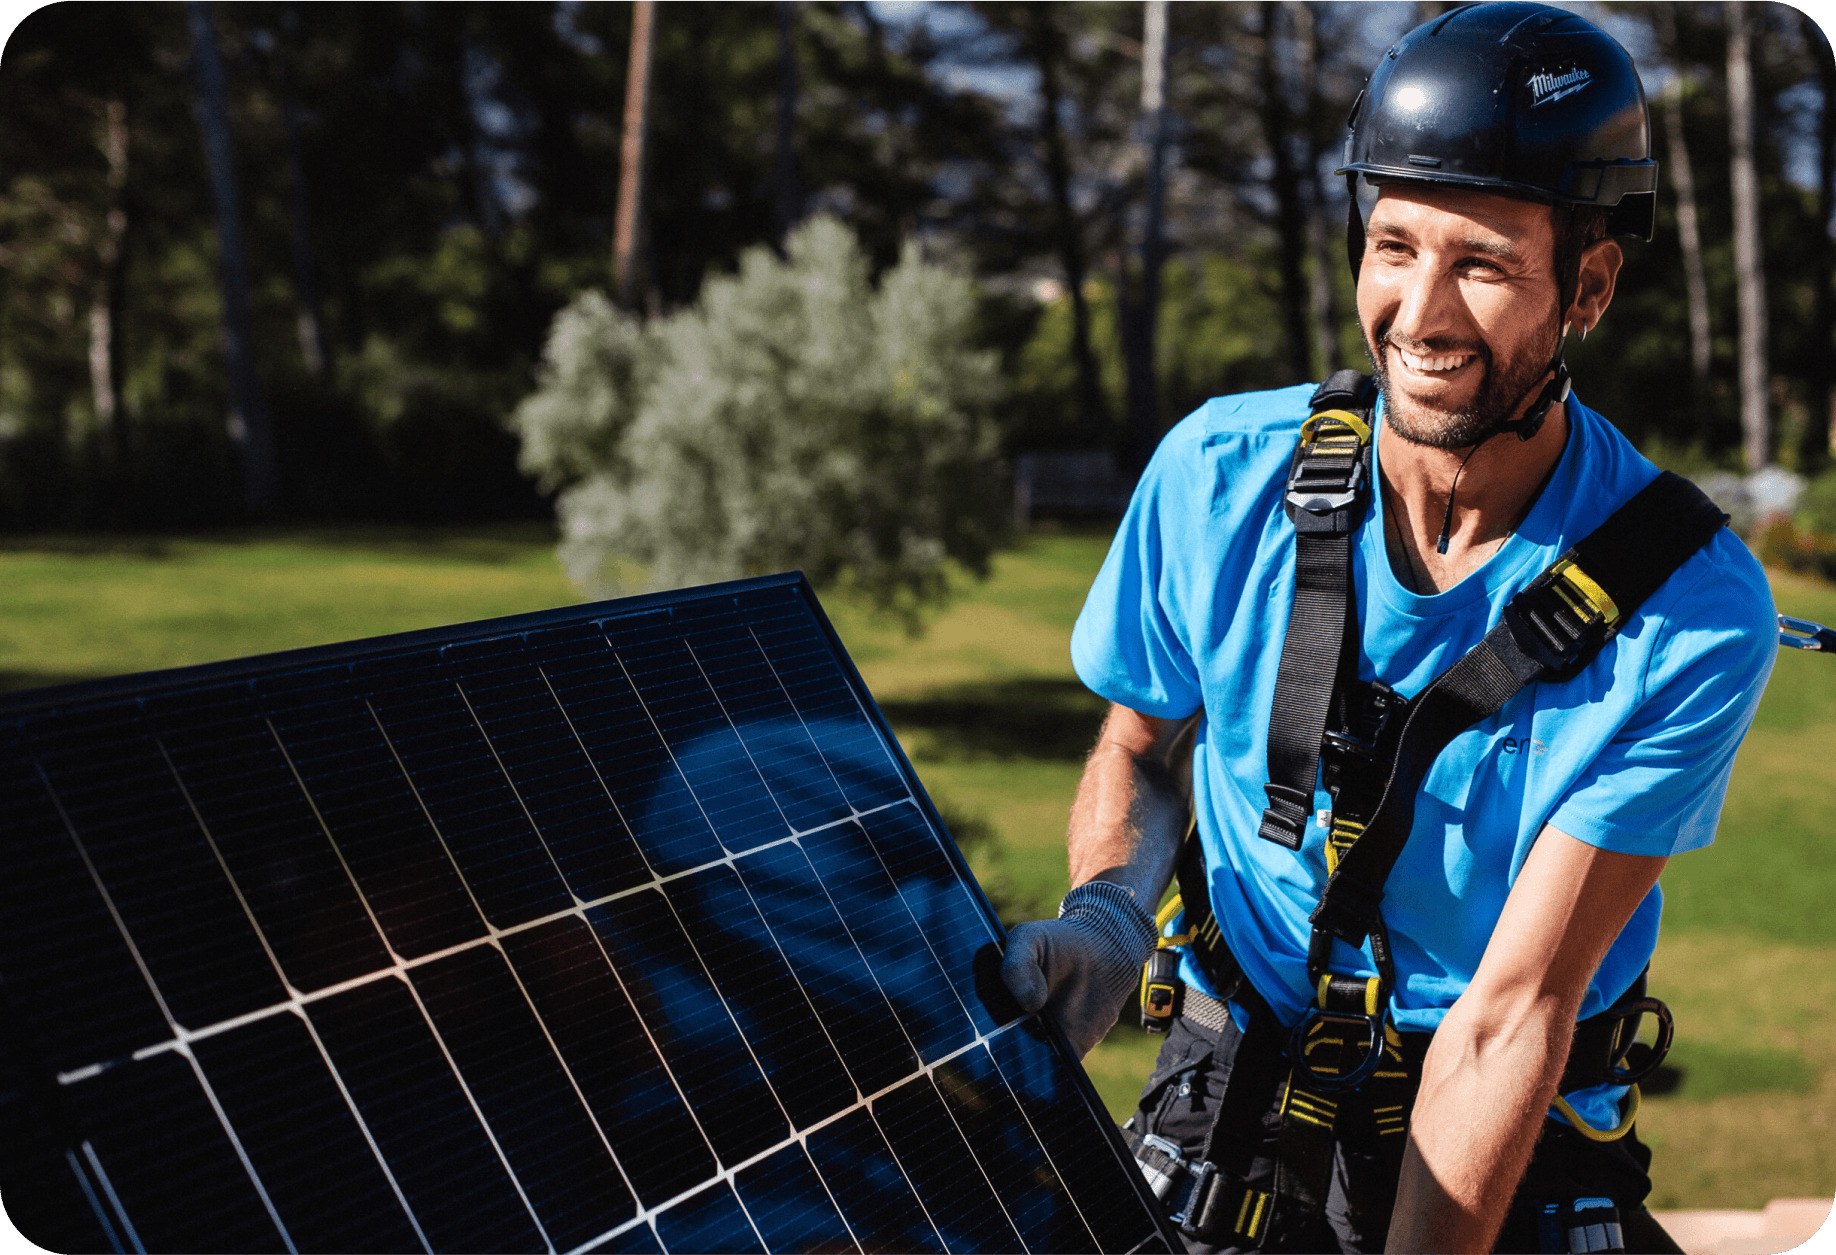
(76, 608)
(988, 708)
(1762, 874)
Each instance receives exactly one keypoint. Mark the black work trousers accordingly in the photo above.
(1180, 1101)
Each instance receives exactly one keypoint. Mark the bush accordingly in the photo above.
(795, 416)
(1806, 541)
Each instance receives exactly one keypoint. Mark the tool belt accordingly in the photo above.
(1373, 747)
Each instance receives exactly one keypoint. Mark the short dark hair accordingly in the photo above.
(1576, 227)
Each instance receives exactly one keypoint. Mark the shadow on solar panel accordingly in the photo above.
(620, 927)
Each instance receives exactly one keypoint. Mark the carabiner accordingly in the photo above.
(1631, 1014)
(1803, 634)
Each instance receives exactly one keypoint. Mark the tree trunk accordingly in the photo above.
(105, 297)
(1141, 317)
(1323, 302)
(1749, 271)
(784, 170)
(628, 231)
(1290, 214)
(306, 316)
(1819, 437)
(1689, 233)
(1067, 236)
(247, 420)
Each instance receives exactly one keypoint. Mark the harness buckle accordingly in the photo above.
(1198, 1175)
(1561, 614)
(1585, 1226)
(1327, 473)
(1161, 1163)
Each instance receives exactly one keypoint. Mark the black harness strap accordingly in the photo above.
(1549, 632)
(1326, 494)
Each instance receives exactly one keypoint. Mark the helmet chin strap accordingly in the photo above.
(1556, 389)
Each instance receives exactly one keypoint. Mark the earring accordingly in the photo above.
(1584, 333)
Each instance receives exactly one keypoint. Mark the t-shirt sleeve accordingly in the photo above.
(1128, 646)
(1658, 786)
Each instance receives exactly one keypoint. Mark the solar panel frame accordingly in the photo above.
(472, 984)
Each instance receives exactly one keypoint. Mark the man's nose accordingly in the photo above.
(1426, 306)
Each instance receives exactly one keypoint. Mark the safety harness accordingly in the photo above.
(1344, 1068)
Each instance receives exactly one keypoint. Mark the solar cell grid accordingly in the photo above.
(623, 927)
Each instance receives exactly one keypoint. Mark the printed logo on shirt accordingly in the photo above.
(1545, 87)
(1523, 745)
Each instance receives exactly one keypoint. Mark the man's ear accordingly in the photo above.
(1599, 272)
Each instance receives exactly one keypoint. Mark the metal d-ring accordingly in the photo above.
(1367, 1066)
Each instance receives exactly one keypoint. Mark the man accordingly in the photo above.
(1492, 151)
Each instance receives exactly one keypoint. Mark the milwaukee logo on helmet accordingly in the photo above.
(1546, 87)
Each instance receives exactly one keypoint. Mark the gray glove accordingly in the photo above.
(1083, 965)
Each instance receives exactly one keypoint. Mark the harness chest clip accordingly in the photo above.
(1326, 478)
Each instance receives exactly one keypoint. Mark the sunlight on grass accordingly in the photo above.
(1754, 1117)
(75, 612)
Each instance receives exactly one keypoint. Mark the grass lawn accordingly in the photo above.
(987, 706)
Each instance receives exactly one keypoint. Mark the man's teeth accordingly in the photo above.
(1435, 361)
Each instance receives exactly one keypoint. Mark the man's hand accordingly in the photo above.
(1084, 964)
(1125, 828)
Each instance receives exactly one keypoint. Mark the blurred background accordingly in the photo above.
(326, 320)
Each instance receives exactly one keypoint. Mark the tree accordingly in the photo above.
(1819, 436)
(1285, 178)
(306, 295)
(104, 355)
(1046, 45)
(1140, 315)
(248, 418)
(784, 167)
(796, 416)
(1749, 262)
(1323, 126)
(1689, 234)
(629, 231)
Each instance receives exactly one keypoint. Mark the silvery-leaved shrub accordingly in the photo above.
(796, 416)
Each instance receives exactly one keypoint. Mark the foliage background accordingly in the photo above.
(430, 185)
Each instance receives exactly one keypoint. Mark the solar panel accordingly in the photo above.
(621, 927)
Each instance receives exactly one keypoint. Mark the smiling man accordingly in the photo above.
(1416, 685)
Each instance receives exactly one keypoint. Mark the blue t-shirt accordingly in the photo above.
(1190, 610)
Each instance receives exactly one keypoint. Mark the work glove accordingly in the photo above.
(1082, 966)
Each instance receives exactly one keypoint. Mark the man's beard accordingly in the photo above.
(1500, 394)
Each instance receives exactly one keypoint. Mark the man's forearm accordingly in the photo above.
(1125, 831)
(1131, 809)
(1498, 1055)
(1485, 1090)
